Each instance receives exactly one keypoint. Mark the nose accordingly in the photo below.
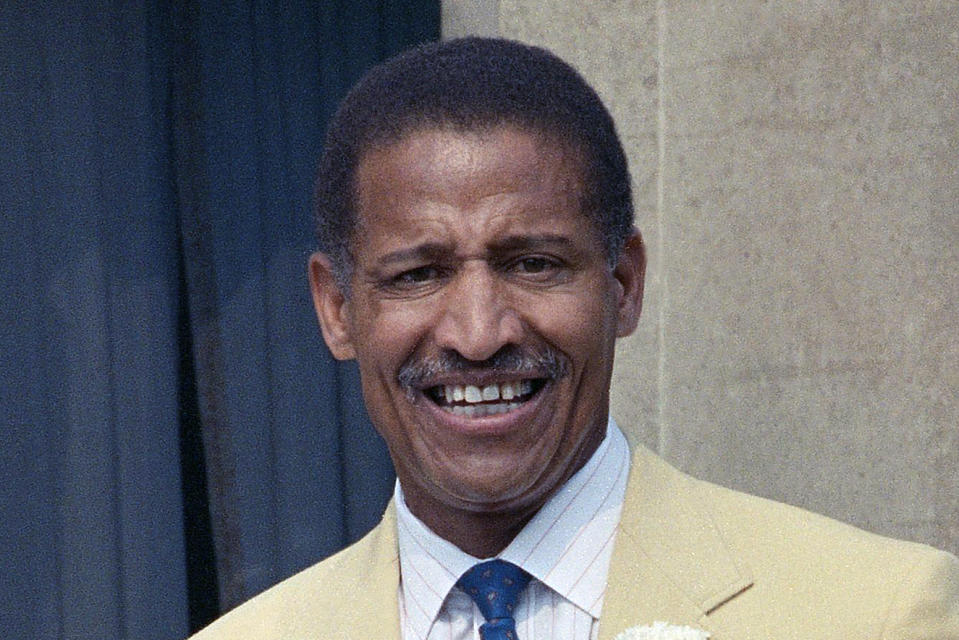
(477, 317)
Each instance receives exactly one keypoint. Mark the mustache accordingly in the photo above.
(510, 361)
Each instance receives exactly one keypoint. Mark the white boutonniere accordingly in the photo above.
(662, 631)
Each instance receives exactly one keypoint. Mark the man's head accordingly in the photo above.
(471, 84)
(483, 303)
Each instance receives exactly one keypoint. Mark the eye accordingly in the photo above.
(534, 265)
(413, 277)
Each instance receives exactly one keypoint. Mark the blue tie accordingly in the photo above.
(494, 586)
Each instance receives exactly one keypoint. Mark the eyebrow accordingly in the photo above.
(535, 241)
(425, 251)
(437, 250)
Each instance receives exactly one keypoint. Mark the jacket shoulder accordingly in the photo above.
(829, 574)
(766, 529)
(339, 595)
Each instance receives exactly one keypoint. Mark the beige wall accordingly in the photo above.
(796, 169)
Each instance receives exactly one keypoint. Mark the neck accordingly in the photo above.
(480, 535)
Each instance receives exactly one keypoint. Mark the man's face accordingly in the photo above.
(482, 314)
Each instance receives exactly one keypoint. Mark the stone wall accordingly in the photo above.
(796, 172)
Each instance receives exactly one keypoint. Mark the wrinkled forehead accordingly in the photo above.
(434, 157)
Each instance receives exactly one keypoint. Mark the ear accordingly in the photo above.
(630, 272)
(332, 307)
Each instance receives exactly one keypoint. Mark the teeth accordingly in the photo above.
(490, 393)
(480, 410)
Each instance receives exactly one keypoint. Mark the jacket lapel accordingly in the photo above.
(670, 562)
(373, 609)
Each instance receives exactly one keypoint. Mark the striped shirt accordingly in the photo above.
(566, 547)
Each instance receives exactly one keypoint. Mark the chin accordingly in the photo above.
(496, 496)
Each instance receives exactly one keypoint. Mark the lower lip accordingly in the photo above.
(492, 425)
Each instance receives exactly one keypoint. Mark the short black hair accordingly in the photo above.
(471, 84)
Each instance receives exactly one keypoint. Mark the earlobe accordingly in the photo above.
(332, 307)
(630, 271)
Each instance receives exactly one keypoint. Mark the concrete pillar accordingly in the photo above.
(796, 170)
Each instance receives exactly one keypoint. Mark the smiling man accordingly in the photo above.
(478, 260)
(483, 315)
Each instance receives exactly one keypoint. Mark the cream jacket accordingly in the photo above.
(687, 553)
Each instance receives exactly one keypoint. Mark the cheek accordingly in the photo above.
(389, 336)
(389, 333)
(576, 324)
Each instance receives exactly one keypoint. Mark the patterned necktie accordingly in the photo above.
(494, 586)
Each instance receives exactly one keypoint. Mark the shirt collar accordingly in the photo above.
(556, 547)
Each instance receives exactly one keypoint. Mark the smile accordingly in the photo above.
(474, 401)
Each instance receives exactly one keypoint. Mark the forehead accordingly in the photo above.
(502, 175)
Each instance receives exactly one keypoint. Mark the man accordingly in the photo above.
(478, 260)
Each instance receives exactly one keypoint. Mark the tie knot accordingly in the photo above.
(494, 586)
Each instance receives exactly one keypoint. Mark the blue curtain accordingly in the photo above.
(176, 436)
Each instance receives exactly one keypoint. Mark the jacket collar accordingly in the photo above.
(670, 562)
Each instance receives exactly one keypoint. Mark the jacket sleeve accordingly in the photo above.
(926, 604)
